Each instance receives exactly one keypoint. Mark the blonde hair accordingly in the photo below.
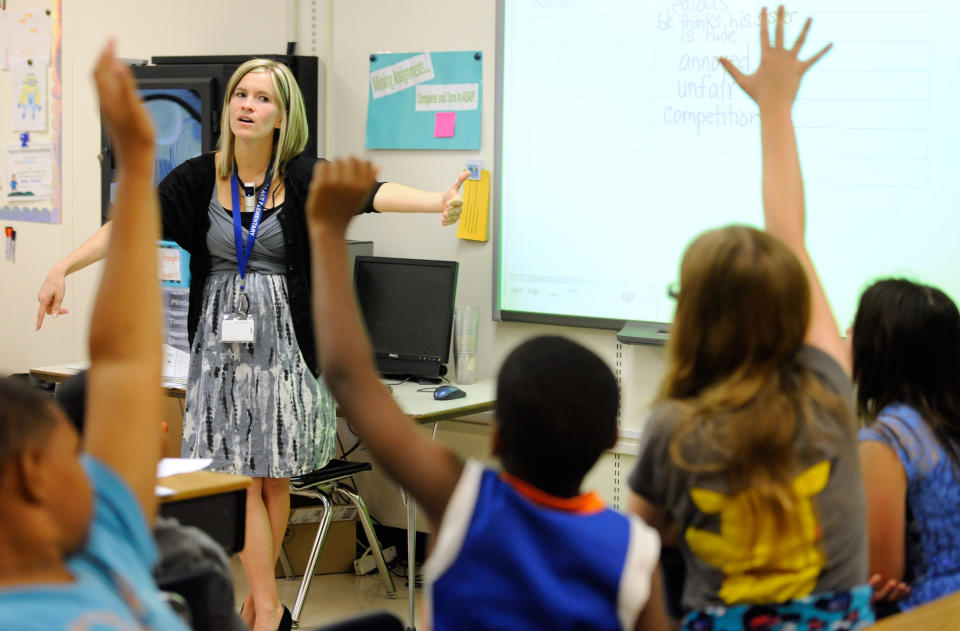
(291, 138)
(733, 372)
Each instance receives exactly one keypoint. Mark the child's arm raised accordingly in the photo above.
(428, 470)
(123, 384)
(774, 87)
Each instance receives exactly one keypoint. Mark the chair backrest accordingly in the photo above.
(335, 470)
(203, 592)
(376, 621)
(194, 566)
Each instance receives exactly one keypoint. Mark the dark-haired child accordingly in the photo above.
(906, 365)
(516, 549)
(75, 542)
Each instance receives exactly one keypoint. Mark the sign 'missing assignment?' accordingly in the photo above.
(425, 101)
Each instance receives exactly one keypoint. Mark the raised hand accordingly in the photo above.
(336, 192)
(777, 79)
(127, 122)
(451, 200)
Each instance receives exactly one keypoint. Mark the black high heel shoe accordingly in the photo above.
(286, 621)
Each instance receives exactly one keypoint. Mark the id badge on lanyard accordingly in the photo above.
(240, 326)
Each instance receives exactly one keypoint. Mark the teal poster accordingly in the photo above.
(425, 101)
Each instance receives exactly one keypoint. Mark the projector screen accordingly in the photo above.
(620, 138)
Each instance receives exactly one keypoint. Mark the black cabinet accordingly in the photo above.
(184, 96)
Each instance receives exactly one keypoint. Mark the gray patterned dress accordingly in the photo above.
(255, 409)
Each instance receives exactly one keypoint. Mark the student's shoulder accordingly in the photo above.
(827, 370)
(902, 428)
(639, 566)
(901, 415)
(662, 419)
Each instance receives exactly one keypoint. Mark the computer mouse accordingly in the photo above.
(444, 393)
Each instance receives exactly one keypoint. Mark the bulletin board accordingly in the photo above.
(31, 114)
(428, 100)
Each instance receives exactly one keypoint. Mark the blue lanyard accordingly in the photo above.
(243, 253)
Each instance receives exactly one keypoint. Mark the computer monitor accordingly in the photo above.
(407, 305)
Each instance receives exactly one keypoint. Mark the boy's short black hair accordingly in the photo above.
(557, 412)
(26, 417)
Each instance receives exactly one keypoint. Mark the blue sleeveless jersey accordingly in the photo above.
(509, 556)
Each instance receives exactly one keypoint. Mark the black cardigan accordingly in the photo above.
(184, 203)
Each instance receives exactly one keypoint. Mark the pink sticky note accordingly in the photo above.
(444, 124)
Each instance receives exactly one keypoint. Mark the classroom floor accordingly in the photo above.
(333, 597)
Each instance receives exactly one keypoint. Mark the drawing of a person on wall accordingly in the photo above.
(29, 101)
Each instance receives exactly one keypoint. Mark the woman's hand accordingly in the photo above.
(336, 192)
(451, 202)
(51, 295)
(776, 80)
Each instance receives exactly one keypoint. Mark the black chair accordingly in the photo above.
(194, 566)
(376, 621)
(201, 594)
(323, 485)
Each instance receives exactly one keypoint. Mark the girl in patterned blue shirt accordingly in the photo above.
(906, 364)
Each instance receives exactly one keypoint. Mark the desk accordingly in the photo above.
(939, 614)
(423, 408)
(197, 484)
(173, 404)
(57, 374)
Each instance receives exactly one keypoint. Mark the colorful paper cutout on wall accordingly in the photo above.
(409, 91)
(29, 172)
(34, 40)
(28, 97)
(445, 125)
(25, 36)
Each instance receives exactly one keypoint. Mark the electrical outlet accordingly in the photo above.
(367, 564)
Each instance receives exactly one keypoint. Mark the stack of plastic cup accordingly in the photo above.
(466, 322)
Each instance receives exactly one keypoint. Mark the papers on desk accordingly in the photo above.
(176, 362)
(173, 466)
(175, 383)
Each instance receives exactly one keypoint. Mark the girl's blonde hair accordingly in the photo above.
(291, 138)
(733, 374)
